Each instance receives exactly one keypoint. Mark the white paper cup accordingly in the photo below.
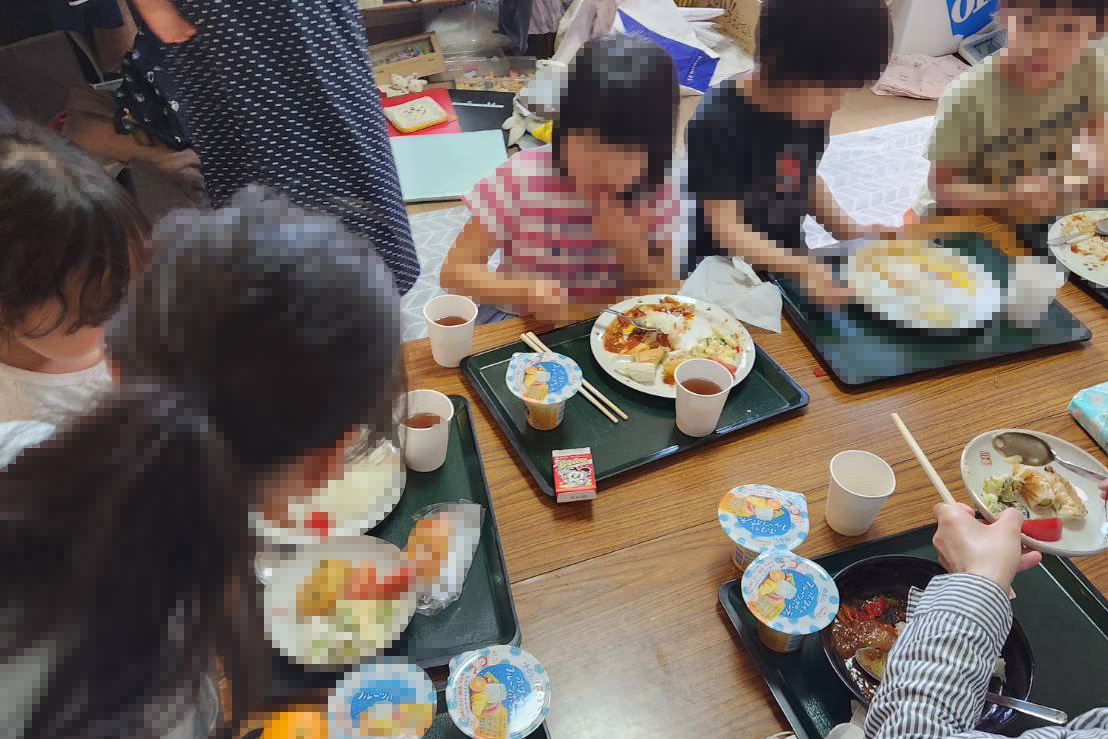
(697, 415)
(425, 449)
(450, 344)
(860, 484)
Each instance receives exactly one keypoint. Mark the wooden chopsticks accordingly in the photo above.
(590, 393)
(925, 463)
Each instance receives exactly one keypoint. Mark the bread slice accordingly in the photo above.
(416, 115)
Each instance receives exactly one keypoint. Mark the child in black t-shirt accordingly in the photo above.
(754, 143)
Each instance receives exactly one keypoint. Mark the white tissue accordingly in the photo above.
(733, 285)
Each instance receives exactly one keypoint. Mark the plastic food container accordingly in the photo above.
(789, 596)
(761, 517)
(497, 693)
(544, 382)
(389, 695)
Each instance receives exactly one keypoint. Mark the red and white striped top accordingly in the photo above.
(544, 226)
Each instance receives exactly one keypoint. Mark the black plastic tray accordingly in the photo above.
(484, 615)
(860, 348)
(1064, 617)
(650, 432)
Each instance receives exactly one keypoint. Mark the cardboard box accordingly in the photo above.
(419, 55)
(574, 475)
(936, 28)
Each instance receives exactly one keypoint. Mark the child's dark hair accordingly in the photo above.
(68, 230)
(831, 43)
(258, 335)
(1090, 8)
(624, 90)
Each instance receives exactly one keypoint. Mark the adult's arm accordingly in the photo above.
(938, 672)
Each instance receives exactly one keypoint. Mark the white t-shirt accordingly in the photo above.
(41, 396)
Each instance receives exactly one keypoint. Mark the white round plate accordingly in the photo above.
(706, 316)
(369, 493)
(294, 638)
(1091, 269)
(971, 311)
(1086, 536)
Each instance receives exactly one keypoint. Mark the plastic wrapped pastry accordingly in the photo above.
(441, 545)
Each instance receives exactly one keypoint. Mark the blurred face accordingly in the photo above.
(1042, 46)
(599, 168)
(817, 103)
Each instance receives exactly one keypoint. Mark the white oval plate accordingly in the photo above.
(971, 310)
(294, 638)
(1087, 536)
(370, 491)
(1094, 271)
(706, 316)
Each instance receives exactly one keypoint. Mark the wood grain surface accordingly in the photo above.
(618, 596)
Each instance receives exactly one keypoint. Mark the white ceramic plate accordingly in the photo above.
(294, 638)
(364, 498)
(1086, 536)
(966, 310)
(1091, 268)
(707, 316)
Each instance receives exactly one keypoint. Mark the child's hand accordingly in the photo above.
(879, 231)
(167, 24)
(1037, 194)
(615, 222)
(546, 300)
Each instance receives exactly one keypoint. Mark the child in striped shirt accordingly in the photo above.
(590, 219)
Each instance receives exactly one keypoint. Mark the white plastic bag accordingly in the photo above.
(661, 21)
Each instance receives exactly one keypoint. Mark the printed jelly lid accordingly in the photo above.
(760, 517)
(788, 593)
(543, 378)
(498, 691)
(387, 695)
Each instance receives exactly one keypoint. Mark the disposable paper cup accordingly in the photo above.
(425, 449)
(860, 484)
(697, 415)
(450, 344)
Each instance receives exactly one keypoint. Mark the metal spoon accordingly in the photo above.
(1100, 227)
(1035, 452)
(631, 320)
(875, 658)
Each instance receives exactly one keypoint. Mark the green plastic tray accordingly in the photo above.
(650, 433)
(860, 348)
(1034, 237)
(1061, 612)
(485, 614)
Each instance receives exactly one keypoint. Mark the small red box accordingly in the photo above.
(574, 477)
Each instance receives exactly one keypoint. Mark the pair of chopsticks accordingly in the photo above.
(591, 394)
(932, 475)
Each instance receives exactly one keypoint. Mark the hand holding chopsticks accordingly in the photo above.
(590, 393)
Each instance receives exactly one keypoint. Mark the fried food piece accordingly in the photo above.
(320, 592)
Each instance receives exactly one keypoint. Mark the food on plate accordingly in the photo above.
(348, 609)
(721, 347)
(1043, 529)
(638, 371)
(873, 625)
(904, 264)
(1094, 248)
(671, 318)
(1028, 488)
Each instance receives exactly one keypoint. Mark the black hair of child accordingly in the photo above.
(68, 230)
(826, 43)
(1089, 8)
(258, 335)
(624, 90)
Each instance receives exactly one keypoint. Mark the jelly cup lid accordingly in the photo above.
(374, 690)
(498, 680)
(543, 378)
(788, 593)
(760, 517)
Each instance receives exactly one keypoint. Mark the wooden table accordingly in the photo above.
(618, 596)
